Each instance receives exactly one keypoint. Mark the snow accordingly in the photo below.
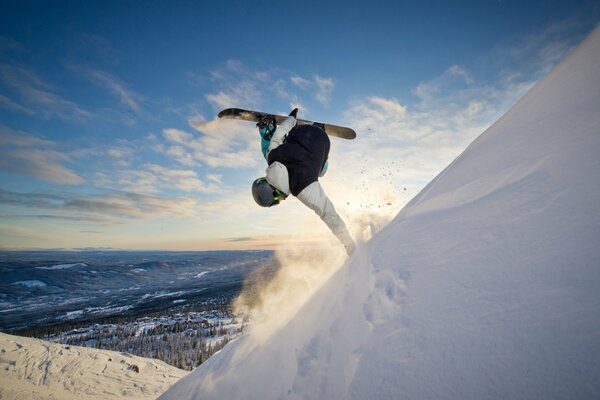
(63, 266)
(36, 369)
(484, 286)
(34, 283)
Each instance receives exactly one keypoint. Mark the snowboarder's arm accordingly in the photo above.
(315, 198)
(281, 132)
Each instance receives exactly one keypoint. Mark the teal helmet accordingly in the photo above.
(265, 194)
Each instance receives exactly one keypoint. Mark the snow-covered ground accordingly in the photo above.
(486, 285)
(63, 266)
(36, 369)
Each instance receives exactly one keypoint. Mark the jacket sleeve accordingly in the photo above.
(315, 198)
(280, 133)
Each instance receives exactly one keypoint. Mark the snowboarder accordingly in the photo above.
(297, 157)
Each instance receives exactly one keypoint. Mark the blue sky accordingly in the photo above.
(108, 135)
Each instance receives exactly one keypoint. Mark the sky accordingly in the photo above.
(108, 128)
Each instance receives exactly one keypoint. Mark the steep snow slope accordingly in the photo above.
(36, 369)
(487, 285)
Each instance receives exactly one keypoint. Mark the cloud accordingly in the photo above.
(127, 96)
(153, 178)
(455, 78)
(322, 87)
(38, 96)
(244, 94)
(9, 104)
(9, 44)
(243, 87)
(67, 218)
(300, 82)
(113, 204)
(241, 239)
(325, 87)
(121, 155)
(221, 144)
(238, 86)
(26, 155)
(533, 55)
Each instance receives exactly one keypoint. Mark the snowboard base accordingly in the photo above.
(249, 115)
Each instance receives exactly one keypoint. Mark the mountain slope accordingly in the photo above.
(36, 369)
(484, 286)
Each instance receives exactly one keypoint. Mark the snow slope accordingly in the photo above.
(486, 285)
(36, 369)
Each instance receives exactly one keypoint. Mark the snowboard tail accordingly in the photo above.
(249, 115)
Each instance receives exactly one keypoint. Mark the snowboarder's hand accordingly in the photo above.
(294, 113)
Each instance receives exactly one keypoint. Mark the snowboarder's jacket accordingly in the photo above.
(304, 152)
(296, 157)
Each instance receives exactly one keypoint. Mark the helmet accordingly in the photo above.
(266, 195)
(266, 126)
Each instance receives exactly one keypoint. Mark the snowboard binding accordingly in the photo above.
(266, 126)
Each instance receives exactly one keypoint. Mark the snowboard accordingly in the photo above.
(249, 115)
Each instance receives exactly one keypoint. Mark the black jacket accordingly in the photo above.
(303, 152)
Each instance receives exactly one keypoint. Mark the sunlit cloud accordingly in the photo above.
(217, 143)
(244, 94)
(26, 155)
(113, 204)
(121, 155)
(69, 218)
(153, 178)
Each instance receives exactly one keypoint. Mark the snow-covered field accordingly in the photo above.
(36, 369)
(485, 286)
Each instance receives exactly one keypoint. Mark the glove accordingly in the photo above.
(294, 113)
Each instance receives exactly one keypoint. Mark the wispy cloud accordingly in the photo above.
(128, 97)
(68, 218)
(34, 94)
(301, 82)
(27, 155)
(7, 43)
(241, 86)
(536, 53)
(114, 204)
(9, 104)
(325, 87)
(238, 86)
